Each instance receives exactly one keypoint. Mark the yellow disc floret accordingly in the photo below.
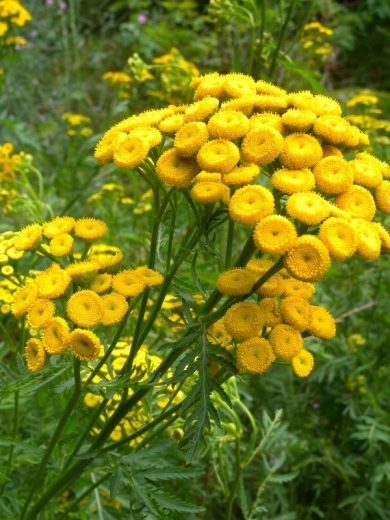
(261, 145)
(254, 356)
(250, 204)
(85, 308)
(286, 341)
(307, 259)
(274, 234)
(243, 320)
(236, 282)
(300, 151)
(84, 344)
(303, 363)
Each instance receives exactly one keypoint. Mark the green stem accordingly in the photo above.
(229, 244)
(40, 474)
(280, 38)
(234, 489)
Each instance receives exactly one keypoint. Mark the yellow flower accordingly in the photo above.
(101, 283)
(250, 204)
(270, 311)
(52, 282)
(331, 128)
(208, 192)
(175, 170)
(263, 87)
(115, 307)
(151, 136)
(84, 344)
(242, 104)
(339, 237)
(261, 145)
(241, 175)
(333, 175)
(368, 239)
(269, 103)
(130, 152)
(274, 234)
(293, 181)
(294, 287)
(358, 202)
(217, 334)
(82, 272)
(308, 259)
(382, 196)
(307, 207)
(267, 119)
(56, 336)
(300, 151)
(296, 311)
(238, 85)
(128, 283)
(85, 308)
(61, 245)
(210, 85)
(92, 400)
(328, 151)
(324, 105)
(382, 165)
(229, 124)
(274, 286)
(90, 228)
(243, 320)
(201, 110)
(366, 173)
(40, 312)
(286, 341)
(218, 155)
(236, 282)
(384, 235)
(172, 123)
(108, 144)
(190, 138)
(150, 277)
(254, 356)
(298, 119)
(35, 355)
(58, 226)
(24, 299)
(322, 324)
(105, 256)
(28, 238)
(303, 363)
(208, 177)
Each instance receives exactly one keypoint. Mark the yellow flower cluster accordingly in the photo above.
(116, 78)
(9, 257)
(276, 161)
(116, 192)
(9, 162)
(315, 39)
(78, 124)
(12, 15)
(369, 117)
(77, 291)
(144, 364)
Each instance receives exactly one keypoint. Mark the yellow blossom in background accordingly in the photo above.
(78, 124)
(13, 15)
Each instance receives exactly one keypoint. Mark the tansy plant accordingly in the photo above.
(280, 174)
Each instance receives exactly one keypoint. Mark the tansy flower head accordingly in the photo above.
(210, 85)
(90, 228)
(236, 282)
(296, 311)
(84, 344)
(298, 119)
(307, 259)
(286, 341)
(218, 155)
(172, 124)
(250, 204)
(82, 272)
(151, 136)
(241, 175)
(261, 145)
(322, 323)
(209, 192)
(190, 138)
(243, 320)
(85, 308)
(175, 170)
(58, 226)
(229, 124)
(274, 234)
(270, 311)
(24, 299)
(366, 173)
(217, 334)
(150, 277)
(294, 287)
(307, 207)
(339, 237)
(130, 151)
(333, 175)
(331, 128)
(114, 308)
(28, 238)
(293, 181)
(300, 151)
(267, 119)
(254, 356)
(40, 312)
(56, 336)
(237, 85)
(382, 196)
(368, 239)
(35, 355)
(358, 202)
(303, 363)
(128, 283)
(263, 87)
(61, 245)
(101, 283)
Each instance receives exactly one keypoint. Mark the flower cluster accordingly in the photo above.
(12, 16)
(286, 165)
(77, 124)
(9, 162)
(80, 290)
(143, 366)
(367, 114)
(9, 257)
(315, 39)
